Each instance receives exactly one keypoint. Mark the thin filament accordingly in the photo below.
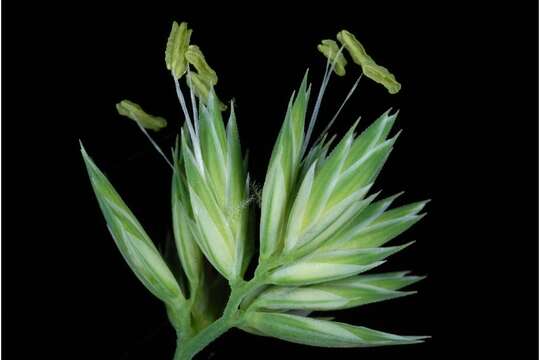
(154, 144)
(353, 88)
(326, 79)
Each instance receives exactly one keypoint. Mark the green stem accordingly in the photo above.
(186, 349)
(179, 316)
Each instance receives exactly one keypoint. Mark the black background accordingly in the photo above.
(468, 111)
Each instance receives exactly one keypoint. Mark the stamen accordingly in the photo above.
(193, 103)
(355, 85)
(193, 136)
(326, 79)
(154, 144)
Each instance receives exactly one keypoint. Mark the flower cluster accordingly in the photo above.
(320, 228)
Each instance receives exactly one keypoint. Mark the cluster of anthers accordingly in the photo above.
(319, 228)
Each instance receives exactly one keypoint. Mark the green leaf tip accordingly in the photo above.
(314, 332)
(372, 70)
(335, 295)
(330, 49)
(177, 46)
(133, 111)
(131, 239)
(196, 58)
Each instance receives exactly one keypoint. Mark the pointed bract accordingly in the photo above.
(307, 331)
(282, 175)
(189, 253)
(334, 295)
(135, 245)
